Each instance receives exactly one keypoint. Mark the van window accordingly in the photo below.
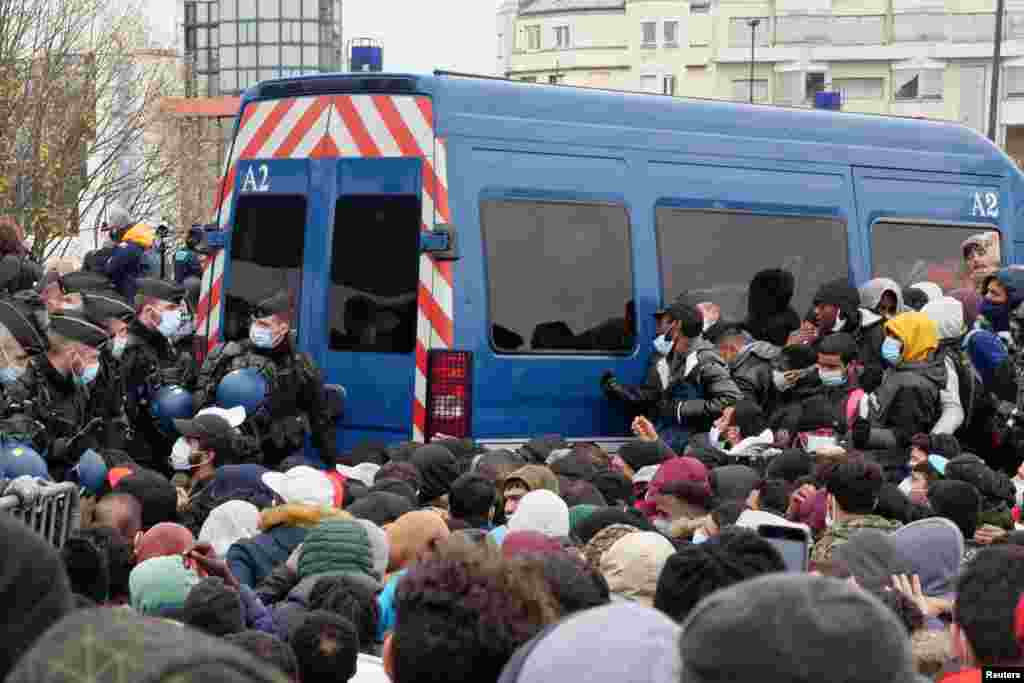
(375, 273)
(559, 276)
(712, 255)
(951, 256)
(267, 244)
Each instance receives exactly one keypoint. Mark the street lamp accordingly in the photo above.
(753, 24)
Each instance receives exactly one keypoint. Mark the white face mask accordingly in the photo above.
(829, 519)
(180, 455)
(170, 322)
(699, 536)
(663, 344)
(118, 346)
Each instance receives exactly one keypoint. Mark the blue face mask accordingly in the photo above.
(832, 378)
(10, 375)
(170, 322)
(892, 350)
(261, 337)
(663, 344)
(88, 375)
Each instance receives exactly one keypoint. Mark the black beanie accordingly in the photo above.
(214, 608)
(88, 565)
(396, 486)
(958, 502)
(945, 445)
(690, 319)
(156, 495)
(639, 454)
(589, 527)
(34, 589)
(615, 488)
(380, 507)
(841, 293)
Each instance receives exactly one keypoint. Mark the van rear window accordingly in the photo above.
(712, 255)
(375, 273)
(267, 243)
(952, 256)
(559, 276)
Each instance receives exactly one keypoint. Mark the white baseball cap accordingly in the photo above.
(301, 484)
(365, 472)
(645, 475)
(233, 416)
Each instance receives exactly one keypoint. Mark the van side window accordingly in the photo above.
(952, 256)
(713, 255)
(559, 276)
(375, 278)
(267, 244)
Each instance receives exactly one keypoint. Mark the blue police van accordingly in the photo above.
(468, 256)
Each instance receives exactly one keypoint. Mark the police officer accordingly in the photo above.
(52, 387)
(159, 370)
(281, 389)
(115, 315)
(23, 322)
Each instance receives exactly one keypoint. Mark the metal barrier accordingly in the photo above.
(55, 514)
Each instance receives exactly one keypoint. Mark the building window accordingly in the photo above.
(918, 27)
(740, 31)
(724, 248)
(801, 29)
(859, 88)
(190, 14)
(649, 34)
(700, 7)
(672, 33)
(1014, 82)
(562, 36)
(668, 85)
(814, 83)
(532, 37)
(971, 28)
(555, 79)
(529, 79)
(587, 292)
(1014, 28)
(649, 84)
(857, 30)
(741, 90)
(247, 32)
(918, 85)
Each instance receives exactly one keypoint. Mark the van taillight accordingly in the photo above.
(449, 393)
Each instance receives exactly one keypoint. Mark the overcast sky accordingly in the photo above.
(458, 35)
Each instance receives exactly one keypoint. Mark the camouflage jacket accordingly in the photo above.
(840, 532)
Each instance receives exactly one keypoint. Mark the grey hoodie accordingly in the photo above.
(871, 293)
(948, 314)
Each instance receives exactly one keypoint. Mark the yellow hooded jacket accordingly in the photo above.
(141, 234)
(919, 334)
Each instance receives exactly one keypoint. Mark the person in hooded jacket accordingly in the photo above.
(1004, 291)
(837, 309)
(18, 270)
(907, 402)
(642, 398)
(882, 296)
(700, 387)
(825, 404)
(770, 317)
(750, 363)
(948, 314)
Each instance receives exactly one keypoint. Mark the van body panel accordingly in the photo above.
(676, 186)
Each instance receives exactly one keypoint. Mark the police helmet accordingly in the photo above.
(91, 472)
(245, 387)
(18, 460)
(171, 403)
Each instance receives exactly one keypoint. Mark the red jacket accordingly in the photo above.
(962, 676)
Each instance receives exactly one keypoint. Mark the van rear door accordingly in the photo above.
(371, 264)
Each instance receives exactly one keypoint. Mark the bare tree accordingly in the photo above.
(80, 85)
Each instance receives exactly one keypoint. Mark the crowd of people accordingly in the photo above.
(880, 426)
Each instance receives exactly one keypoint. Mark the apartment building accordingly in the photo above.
(927, 58)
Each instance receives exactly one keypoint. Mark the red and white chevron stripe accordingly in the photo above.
(349, 126)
